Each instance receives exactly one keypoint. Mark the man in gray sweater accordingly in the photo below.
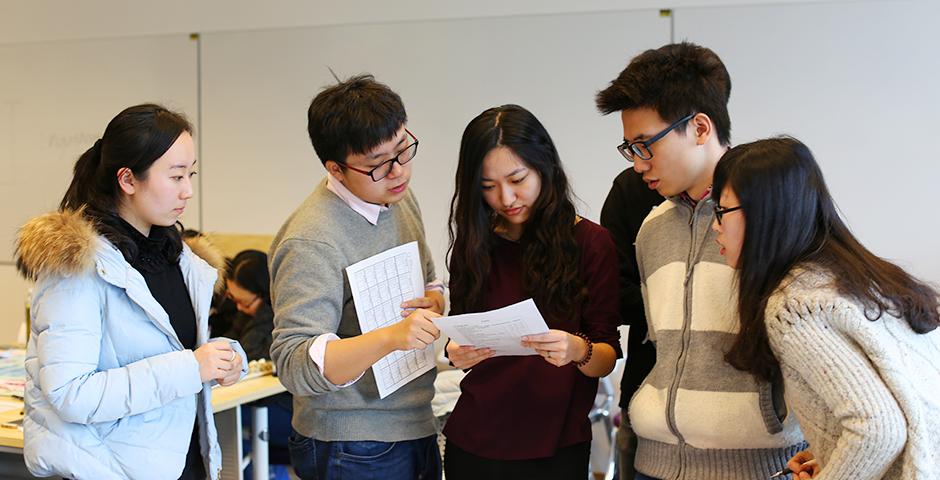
(342, 429)
(695, 416)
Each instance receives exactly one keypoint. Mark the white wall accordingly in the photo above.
(857, 84)
(55, 100)
(44, 20)
(853, 79)
(258, 164)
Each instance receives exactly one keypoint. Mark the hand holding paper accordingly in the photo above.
(416, 331)
(380, 285)
(499, 330)
(466, 356)
(558, 347)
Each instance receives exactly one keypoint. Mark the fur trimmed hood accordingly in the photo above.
(203, 248)
(64, 243)
(58, 243)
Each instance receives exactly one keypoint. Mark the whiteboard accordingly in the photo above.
(258, 161)
(56, 99)
(858, 84)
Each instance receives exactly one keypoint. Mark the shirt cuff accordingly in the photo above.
(318, 350)
(436, 284)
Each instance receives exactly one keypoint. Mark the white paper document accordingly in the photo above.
(379, 284)
(501, 330)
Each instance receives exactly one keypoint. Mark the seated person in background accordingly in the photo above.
(854, 337)
(515, 235)
(222, 314)
(248, 286)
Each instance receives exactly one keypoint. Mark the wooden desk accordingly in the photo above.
(11, 438)
(245, 391)
(227, 421)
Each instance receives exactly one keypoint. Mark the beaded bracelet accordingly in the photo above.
(590, 349)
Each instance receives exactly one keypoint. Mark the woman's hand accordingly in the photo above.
(557, 346)
(234, 372)
(217, 360)
(466, 356)
(803, 465)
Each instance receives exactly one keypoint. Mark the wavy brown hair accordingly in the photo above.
(551, 256)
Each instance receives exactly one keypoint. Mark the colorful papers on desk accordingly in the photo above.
(12, 387)
(13, 372)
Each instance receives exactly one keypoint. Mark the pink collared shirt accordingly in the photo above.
(369, 211)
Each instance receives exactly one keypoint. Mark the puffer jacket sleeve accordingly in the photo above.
(67, 323)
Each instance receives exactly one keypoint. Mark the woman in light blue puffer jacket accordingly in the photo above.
(119, 365)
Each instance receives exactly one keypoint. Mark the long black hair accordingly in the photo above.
(792, 220)
(551, 257)
(134, 139)
(249, 269)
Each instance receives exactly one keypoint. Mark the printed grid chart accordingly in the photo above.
(380, 284)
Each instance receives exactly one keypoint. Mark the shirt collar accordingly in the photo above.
(369, 211)
(694, 201)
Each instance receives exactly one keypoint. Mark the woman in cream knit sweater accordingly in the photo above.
(853, 337)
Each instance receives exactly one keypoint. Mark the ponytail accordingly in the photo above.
(84, 180)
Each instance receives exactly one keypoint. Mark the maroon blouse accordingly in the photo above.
(514, 408)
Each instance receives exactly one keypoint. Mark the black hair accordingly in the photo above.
(353, 117)
(133, 139)
(791, 220)
(249, 269)
(551, 256)
(675, 80)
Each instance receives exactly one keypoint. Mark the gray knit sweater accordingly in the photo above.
(311, 296)
(867, 393)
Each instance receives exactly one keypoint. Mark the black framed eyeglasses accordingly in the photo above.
(240, 302)
(383, 169)
(641, 148)
(722, 211)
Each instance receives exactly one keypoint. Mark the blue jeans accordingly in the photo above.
(366, 460)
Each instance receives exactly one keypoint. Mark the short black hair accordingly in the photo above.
(353, 117)
(675, 80)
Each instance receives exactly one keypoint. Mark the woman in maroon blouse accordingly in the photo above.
(514, 235)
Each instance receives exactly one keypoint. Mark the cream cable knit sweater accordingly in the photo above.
(866, 393)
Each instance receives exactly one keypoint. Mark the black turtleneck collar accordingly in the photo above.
(151, 254)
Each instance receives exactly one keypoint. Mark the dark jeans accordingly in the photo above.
(568, 463)
(365, 460)
(640, 476)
